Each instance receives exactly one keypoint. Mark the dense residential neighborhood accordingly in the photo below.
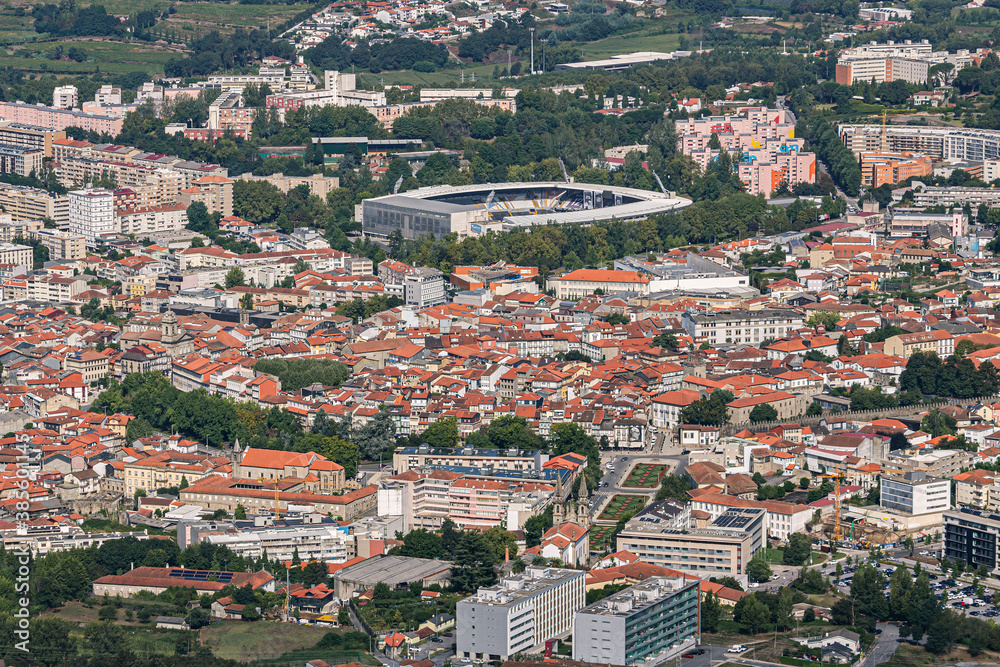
(425, 334)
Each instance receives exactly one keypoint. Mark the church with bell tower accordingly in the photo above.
(173, 338)
(568, 511)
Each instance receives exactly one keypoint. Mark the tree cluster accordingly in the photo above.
(954, 378)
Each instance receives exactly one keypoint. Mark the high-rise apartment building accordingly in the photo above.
(91, 214)
(65, 97)
(647, 623)
(518, 614)
(972, 536)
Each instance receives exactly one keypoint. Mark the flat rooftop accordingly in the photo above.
(393, 570)
(515, 588)
(636, 598)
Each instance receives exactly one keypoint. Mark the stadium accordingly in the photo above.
(471, 210)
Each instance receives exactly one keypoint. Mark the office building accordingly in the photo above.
(645, 624)
(518, 614)
(915, 493)
(723, 548)
(65, 97)
(972, 536)
(424, 287)
(92, 214)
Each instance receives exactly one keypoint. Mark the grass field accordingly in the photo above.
(767, 648)
(776, 556)
(645, 476)
(908, 655)
(621, 505)
(236, 640)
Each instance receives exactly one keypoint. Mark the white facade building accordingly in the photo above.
(65, 97)
(518, 614)
(915, 493)
(424, 287)
(92, 213)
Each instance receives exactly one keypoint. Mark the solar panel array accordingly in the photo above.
(732, 521)
(202, 575)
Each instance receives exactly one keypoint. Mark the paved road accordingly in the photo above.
(712, 654)
(884, 646)
(614, 478)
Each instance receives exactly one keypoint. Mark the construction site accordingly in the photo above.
(851, 525)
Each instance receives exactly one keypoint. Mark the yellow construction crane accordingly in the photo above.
(836, 477)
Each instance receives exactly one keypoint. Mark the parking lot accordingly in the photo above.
(956, 595)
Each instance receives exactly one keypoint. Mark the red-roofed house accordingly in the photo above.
(568, 542)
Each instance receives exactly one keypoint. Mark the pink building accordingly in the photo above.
(762, 178)
(59, 119)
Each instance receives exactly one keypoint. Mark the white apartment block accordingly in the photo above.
(65, 97)
(740, 326)
(424, 287)
(151, 219)
(518, 614)
(12, 253)
(108, 94)
(91, 214)
(322, 543)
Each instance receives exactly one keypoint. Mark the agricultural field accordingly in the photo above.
(204, 17)
(109, 56)
(14, 29)
(645, 476)
(620, 505)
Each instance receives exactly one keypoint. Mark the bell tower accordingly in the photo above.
(169, 327)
